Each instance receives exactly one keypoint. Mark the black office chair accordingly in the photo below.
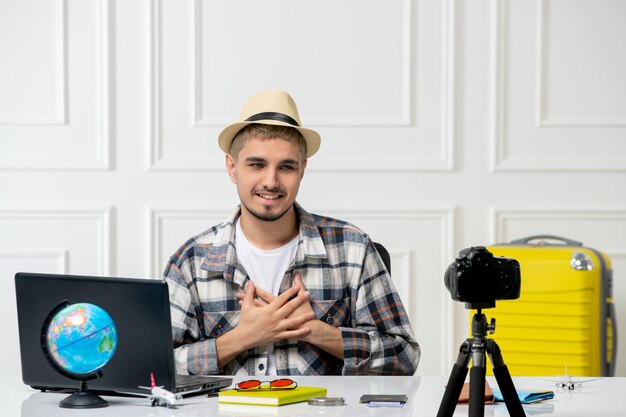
(384, 255)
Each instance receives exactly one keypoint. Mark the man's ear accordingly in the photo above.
(230, 168)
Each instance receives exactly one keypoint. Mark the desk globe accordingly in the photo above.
(78, 341)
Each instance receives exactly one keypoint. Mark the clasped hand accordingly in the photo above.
(266, 318)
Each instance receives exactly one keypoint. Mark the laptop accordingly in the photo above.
(139, 308)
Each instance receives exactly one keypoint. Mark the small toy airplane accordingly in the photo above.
(159, 395)
(568, 383)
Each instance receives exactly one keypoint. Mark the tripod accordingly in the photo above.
(475, 349)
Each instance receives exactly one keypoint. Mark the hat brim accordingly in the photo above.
(311, 137)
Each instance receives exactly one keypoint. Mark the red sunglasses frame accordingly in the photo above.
(276, 384)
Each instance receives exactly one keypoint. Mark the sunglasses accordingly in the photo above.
(266, 385)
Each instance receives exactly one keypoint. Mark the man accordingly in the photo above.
(275, 289)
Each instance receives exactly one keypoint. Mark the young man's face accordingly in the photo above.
(267, 173)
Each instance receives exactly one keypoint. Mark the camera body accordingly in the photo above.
(478, 278)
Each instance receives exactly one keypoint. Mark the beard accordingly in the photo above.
(266, 217)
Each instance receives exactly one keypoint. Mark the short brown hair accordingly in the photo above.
(267, 131)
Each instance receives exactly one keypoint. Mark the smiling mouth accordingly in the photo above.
(269, 196)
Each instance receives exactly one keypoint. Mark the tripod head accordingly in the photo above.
(480, 328)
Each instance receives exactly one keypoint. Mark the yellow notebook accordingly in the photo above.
(270, 397)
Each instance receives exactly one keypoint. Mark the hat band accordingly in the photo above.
(270, 115)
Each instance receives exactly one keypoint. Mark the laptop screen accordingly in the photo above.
(140, 311)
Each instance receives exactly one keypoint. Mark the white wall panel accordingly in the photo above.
(25, 261)
(37, 96)
(599, 228)
(54, 84)
(76, 241)
(33, 260)
(357, 84)
(575, 87)
(170, 227)
(559, 63)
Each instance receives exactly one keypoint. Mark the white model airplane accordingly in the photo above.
(161, 396)
(568, 383)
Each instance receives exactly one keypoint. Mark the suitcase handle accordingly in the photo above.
(611, 317)
(526, 240)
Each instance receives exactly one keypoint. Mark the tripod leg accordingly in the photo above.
(477, 384)
(455, 383)
(505, 383)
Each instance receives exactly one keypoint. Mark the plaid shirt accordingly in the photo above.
(350, 289)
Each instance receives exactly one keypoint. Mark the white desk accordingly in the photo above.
(604, 397)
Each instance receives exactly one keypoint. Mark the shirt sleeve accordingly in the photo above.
(193, 352)
(381, 342)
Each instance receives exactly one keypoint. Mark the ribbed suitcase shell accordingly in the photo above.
(565, 313)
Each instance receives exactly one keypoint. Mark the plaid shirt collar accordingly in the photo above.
(222, 259)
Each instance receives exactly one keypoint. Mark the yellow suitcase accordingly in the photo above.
(565, 314)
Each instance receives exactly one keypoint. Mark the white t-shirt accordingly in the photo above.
(266, 268)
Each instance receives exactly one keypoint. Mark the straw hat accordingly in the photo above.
(272, 107)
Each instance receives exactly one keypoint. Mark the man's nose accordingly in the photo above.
(270, 180)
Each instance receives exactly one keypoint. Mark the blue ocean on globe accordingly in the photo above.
(81, 338)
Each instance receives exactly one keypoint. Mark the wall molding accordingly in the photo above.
(541, 116)
(60, 257)
(101, 161)
(402, 120)
(154, 96)
(443, 161)
(102, 217)
(156, 214)
(500, 158)
(499, 215)
(59, 117)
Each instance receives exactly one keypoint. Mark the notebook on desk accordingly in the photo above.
(141, 313)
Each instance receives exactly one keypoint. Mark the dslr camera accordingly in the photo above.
(479, 279)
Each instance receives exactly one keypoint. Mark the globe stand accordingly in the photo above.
(83, 399)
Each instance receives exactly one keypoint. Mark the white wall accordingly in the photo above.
(445, 124)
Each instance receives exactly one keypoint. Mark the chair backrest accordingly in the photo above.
(384, 255)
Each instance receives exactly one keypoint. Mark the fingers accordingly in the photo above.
(297, 280)
(266, 296)
(294, 326)
(257, 303)
(284, 304)
(294, 304)
(261, 297)
(248, 296)
(295, 322)
(294, 334)
(286, 296)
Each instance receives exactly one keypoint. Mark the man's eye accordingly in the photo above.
(287, 168)
(256, 165)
